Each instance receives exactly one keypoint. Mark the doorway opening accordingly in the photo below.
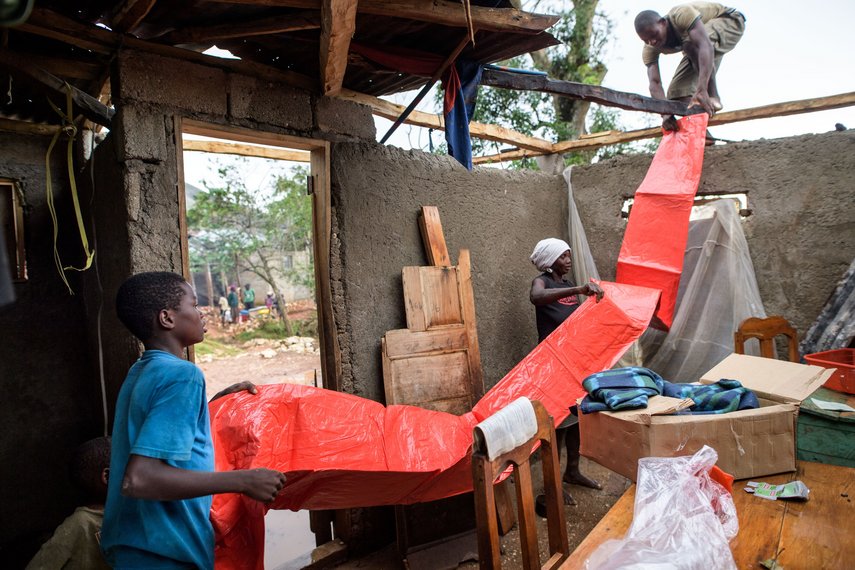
(255, 243)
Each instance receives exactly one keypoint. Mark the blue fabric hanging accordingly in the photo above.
(459, 108)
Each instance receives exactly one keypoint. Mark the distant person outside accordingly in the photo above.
(234, 303)
(703, 32)
(224, 310)
(248, 297)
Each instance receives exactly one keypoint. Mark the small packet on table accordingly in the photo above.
(794, 490)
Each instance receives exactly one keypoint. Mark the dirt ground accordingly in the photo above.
(283, 367)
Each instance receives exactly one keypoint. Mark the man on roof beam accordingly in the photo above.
(703, 32)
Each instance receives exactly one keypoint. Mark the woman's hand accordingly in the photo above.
(593, 289)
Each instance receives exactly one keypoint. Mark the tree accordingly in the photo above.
(584, 34)
(232, 227)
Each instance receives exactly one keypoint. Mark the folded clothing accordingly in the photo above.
(718, 398)
(629, 388)
(620, 389)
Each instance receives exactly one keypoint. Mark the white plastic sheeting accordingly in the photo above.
(718, 290)
(682, 519)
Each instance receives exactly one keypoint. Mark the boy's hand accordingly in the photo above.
(239, 387)
(263, 484)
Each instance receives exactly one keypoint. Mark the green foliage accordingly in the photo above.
(231, 225)
(585, 34)
(268, 329)
(274, 330)
(216, 348)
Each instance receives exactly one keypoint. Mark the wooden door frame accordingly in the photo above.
(321, 222)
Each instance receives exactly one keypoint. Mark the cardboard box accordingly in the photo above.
(750, 443)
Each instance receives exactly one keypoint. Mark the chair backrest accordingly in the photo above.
(485, 471)
(765, 330)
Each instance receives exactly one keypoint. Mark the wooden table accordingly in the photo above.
(812, 535)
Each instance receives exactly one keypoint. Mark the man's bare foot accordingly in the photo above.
(579, 479)
(716, 104)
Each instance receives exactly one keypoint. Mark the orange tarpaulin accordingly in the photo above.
(342, 451)
(655, 237)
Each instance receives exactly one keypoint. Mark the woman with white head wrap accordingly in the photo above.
(554, 299)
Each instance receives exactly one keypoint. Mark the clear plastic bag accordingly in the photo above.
(682, 519)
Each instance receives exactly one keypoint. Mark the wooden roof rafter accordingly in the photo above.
(307, 20)
(442, 12)
(338, 23)
(598, 140)
(392, 111)
(130, 14)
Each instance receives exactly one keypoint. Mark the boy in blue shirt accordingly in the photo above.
(162, 474)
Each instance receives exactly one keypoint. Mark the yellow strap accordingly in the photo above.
(70, 129)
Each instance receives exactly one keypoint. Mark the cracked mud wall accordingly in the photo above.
(499, 215)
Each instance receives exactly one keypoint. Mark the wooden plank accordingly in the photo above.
(13, 126)
(89, 106)
(528, 526)
(432, 237)
(424, 380)
(442, 12)
(308, 20)
(50, 24)
(338, 23)
(759, 524)
(467, 305)
(485, 513)
(413, 302)
(331, 366)
(246, 150)
(404, 342)
(815, 534)
(583, 91)
(391, 111)
(595, 141)
(506, 514)
(440, 296)
(130, 14)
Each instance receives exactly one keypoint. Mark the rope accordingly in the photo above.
(70, 130)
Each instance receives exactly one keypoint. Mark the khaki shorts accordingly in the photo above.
(724, 33)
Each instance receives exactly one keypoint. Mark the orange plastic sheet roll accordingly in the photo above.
(655, 238)
(341, 451)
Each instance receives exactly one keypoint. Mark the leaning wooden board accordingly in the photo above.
(815, 534)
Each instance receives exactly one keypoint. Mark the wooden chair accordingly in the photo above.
(484, 473)
(765, 331)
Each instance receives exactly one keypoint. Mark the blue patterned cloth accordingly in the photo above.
(629, 388)
(620, 389)
(719, 398)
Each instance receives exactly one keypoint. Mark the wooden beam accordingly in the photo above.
(308, 20)
(50, 24)
(246, 150)
(391, 111)
(64, 67)
(89, 106)
(130, 14)
(435, 12)
(338, 23)
(27, 128)
(597, 140)
(593, 93)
